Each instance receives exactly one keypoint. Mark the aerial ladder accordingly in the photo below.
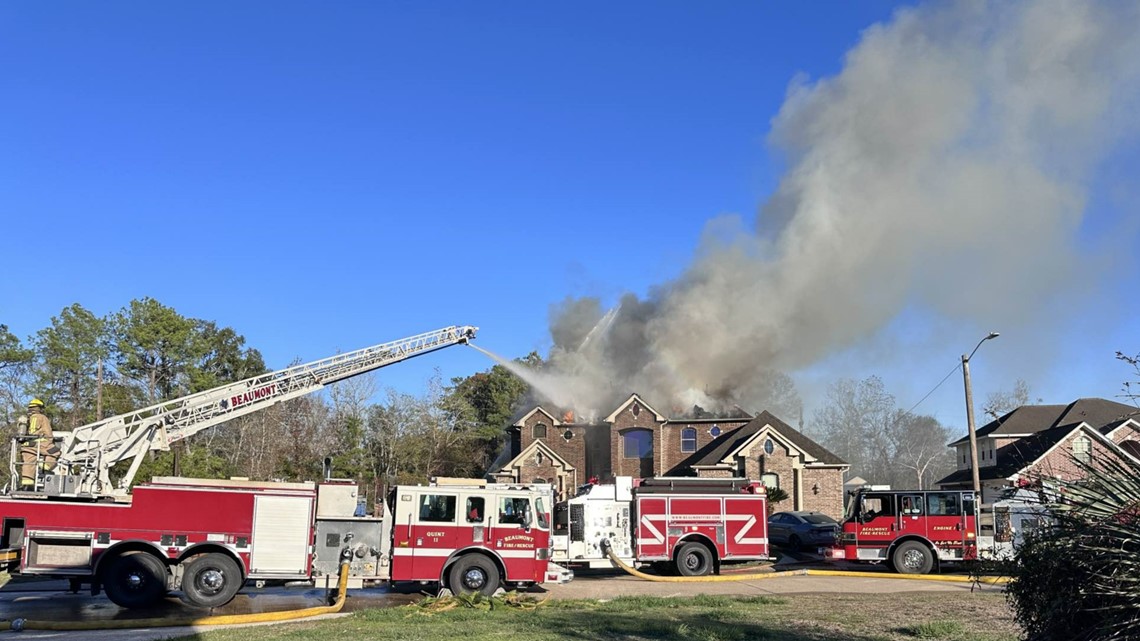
(89, 452)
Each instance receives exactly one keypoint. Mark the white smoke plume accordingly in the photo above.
(955, 146)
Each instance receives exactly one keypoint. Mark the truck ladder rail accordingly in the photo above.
(91, 450)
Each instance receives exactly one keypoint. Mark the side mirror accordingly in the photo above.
(527, 517)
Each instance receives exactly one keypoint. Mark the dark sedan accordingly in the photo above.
(799, 529)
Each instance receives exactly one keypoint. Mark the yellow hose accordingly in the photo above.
(699, 579)
(775, 575)
(949, 578)
(224, 619)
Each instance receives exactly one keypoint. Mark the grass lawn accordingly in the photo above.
(952, 616)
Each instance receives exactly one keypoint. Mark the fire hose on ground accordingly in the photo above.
(695, 579)
(989, 580)
(224, 619)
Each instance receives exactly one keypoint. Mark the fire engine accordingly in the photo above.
(689, 526)
(913, 531)
(208, 537)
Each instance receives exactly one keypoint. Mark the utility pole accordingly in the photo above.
(970, 416)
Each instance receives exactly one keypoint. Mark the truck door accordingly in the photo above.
(424, 533)
(512, 535)
(946, 521)
(912, 512)
(876, 525)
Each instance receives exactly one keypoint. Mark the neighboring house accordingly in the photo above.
(637, 440)
(1035, 440)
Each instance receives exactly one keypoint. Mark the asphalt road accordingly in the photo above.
(50, 600)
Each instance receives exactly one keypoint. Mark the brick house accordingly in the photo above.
(1035, 440)
(637, 440)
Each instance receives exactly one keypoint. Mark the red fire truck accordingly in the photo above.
(909, 531)
(688, 525)
(914, 532)
(208, 537)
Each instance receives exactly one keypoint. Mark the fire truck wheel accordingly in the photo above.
(135, 580)
(211, 580)
(913, 557)
(473, 573)
(694, 559)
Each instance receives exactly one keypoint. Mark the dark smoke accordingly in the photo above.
(956, 145)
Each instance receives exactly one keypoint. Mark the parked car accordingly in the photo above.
(798, 529)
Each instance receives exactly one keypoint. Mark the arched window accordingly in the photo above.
(540, 430)
(1082, 449)
(689, 440)
(638, 444)
(770, 480)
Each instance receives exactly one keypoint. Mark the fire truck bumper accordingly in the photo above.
(557, 574)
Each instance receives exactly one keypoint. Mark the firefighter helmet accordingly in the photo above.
(35, 402)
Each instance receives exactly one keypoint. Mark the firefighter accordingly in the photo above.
(38, 446)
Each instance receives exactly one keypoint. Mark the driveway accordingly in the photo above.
(50, 600)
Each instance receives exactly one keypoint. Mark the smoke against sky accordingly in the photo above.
(957, 145)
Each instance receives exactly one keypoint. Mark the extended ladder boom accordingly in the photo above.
(90, 451)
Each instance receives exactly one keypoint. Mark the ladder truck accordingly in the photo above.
(207, 537)
(690, 526)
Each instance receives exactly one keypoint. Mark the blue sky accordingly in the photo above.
(325, 176)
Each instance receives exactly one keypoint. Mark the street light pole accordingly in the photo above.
(970, 416)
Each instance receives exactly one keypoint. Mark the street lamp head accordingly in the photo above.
(992, 335)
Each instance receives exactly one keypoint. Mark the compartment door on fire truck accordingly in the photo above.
(282, 535)
(652, 514)
(745, 522)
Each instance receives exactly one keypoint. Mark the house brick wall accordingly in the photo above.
(1126, 432)
(829, 499)
(627, 419)
(562, 480)
(780, 462)
(671, 455)
(572, 450)
(526, 432)
(1059, 462)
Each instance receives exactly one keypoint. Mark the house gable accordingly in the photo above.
(634, 398)
(539, 461)
(537, 409)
